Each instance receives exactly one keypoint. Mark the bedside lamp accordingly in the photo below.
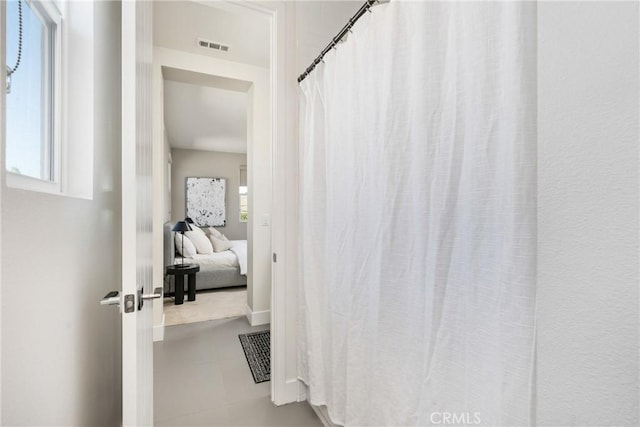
(181, 227)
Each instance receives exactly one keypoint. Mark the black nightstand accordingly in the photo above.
(179, 271)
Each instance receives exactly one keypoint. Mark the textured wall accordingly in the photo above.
(587, 371)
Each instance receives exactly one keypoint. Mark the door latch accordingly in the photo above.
(129, 303)
(113, 298)
(157, 293)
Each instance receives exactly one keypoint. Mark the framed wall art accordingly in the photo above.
(206, 201)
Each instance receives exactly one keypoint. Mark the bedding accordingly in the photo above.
(200, 240)
(219, 245)
(220, 259)
(217, 269)
(183, 241)
(239, 247)
(215, 233)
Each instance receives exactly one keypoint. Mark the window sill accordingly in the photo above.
(28, 183)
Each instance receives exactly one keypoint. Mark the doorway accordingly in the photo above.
(199, 87)
(205, 150)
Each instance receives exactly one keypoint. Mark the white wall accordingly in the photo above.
(212, 164)
(60, 256)
(317, 22)
(587, 371)
(303, 30)
(166, 176)
(178, 24)
(3, 78)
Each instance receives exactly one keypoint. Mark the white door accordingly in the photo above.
(137, 287)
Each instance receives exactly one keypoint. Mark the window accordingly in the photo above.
(244, 196)
(32, 96)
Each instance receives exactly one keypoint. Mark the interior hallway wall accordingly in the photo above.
(307, 27)
(212, 164)
(61, 349)
(317, 22)
(587, 370)
(166, 176)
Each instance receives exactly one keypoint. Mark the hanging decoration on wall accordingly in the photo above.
(205, 199)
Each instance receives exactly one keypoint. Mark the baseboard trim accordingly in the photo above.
(321, 411)
(323, 414)
(158, 331)
(291, 391)
(257, 318)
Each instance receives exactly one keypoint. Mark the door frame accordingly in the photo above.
(256, 86)
(285, 387)
(3, 78)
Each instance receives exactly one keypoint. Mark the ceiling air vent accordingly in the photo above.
(207, 44)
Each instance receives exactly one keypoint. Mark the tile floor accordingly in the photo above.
(202, 378)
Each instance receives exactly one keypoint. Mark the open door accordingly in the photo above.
(137, 288)
(137, 244)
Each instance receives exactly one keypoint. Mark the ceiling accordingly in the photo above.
(205, 117)
(205, 112)
(178, 25)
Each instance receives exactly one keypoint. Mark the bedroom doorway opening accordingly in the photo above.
(206, 154)
(214, 124)
(213, 137)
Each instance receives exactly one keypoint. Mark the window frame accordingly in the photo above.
(51, 153)
(246, 194)
(243, 168)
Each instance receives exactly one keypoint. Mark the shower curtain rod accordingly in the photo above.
(365, 7)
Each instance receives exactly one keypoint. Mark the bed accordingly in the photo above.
(218, 270)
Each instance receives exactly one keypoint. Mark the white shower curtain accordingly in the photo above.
(418, 218)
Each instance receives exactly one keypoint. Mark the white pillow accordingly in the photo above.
(189, 248)
(215, 233)
(200, 241)
(220, 245)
